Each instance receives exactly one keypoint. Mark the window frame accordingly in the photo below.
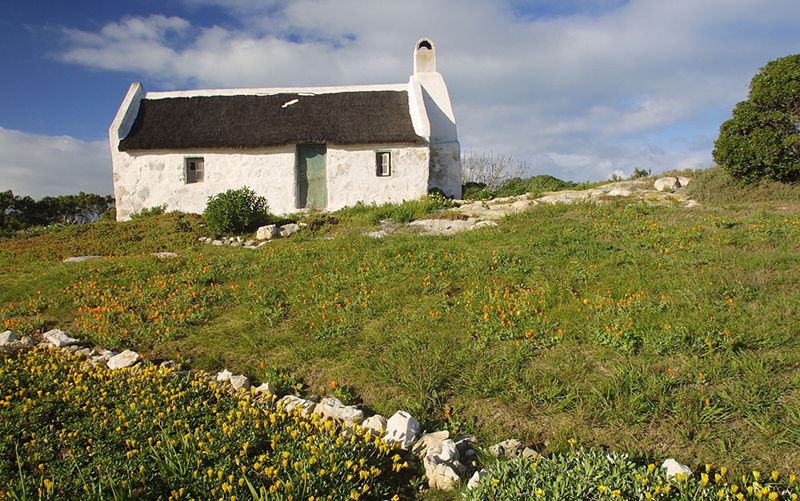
(383, 169)
(191, 174)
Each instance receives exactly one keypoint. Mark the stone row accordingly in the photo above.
(446, 460)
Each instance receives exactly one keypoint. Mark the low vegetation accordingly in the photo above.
(71, 432)
(650, 332)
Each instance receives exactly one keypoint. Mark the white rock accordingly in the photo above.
(667, 183)
(125, 359)
(529, 453)
(164, 255)
(59, 338)
(217, 242)
(476, 478)
(402, 428)
(8, 337)
(443, 452)
(78, 259)
(288, 230)
(620, 192)
(83, 351)
(506, 448)
(376, 423)
(675, 468)
(442, 476)
(225, 375)
(267, 232)
(265, 388)
(333, 408)
(240, 382)
(684, 180)
(484, 224)
(521, 205)
(428, 441)
(289, 402)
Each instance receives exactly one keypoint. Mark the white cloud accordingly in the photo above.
(37, 165)
(552, 81)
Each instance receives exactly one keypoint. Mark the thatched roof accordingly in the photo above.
(250, 121)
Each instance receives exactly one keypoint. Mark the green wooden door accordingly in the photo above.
(312, 190)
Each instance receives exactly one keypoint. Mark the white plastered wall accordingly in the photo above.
(154, 178)
(352, 175)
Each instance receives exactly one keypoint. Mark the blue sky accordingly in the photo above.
(577, 89)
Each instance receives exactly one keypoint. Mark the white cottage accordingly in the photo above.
(310, 147)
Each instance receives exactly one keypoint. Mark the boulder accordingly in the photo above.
(217, 242)
(240, 382)
(224, 375)
(333, 408)
(8, 337)
(59, 338)
(125, 359)
(265, 388)
(442, 476)
(85, 352)
(401, 428)
(506, 448)
(376, 423)
(288, 230)
(428, 441)
(667, 183)
(290, 402)
(443, 452)
(99, 356)
(529, 453)
(267, 232)
(675, 468)
(476, 478)
(684, 180)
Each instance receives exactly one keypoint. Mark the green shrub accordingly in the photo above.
(158, 210)
(476, 191)
(236, 211)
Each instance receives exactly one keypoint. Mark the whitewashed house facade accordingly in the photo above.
(300, 148)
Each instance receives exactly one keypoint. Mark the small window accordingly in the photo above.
(384, 163)
(194, 170)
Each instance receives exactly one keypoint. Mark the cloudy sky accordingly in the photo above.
(579, 89)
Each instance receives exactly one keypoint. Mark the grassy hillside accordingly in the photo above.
(655, 331)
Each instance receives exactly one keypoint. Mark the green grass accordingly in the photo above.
(652, 331)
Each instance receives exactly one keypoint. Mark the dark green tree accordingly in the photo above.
(762, 140)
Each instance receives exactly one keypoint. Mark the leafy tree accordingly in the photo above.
(24, 212)
(762, 140)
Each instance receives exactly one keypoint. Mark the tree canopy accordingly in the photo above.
(18, 212)
(762, 140)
